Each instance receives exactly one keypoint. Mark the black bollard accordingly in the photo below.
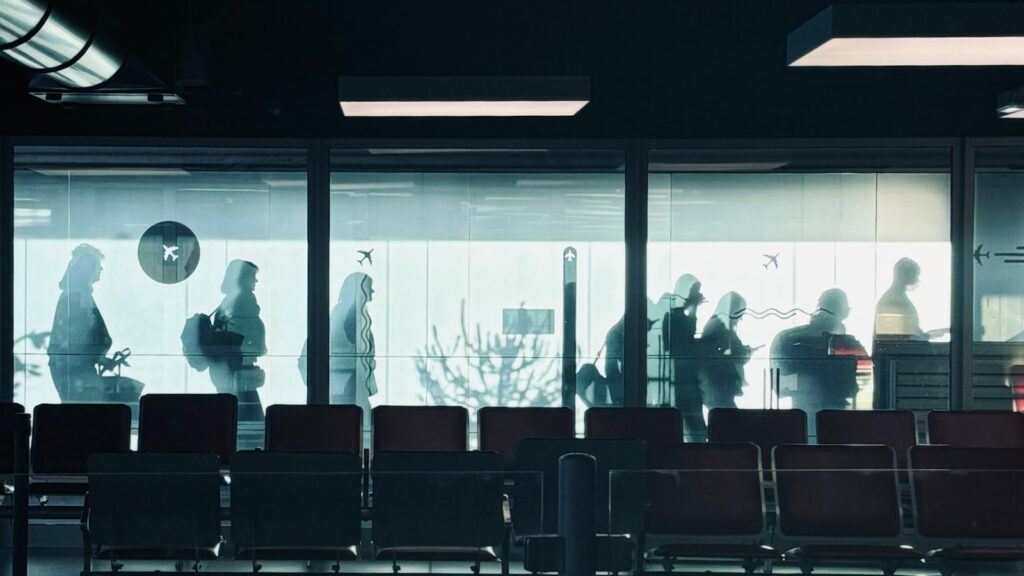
(576, 523)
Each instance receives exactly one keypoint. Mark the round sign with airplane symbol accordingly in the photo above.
(169, 252)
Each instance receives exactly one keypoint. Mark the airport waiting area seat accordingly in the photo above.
(840, 504)
(196, 423)
(314, 428)
(706, 503)
(619, 508)
(997, 429)
(968, 505)
(152, 506)
(63, 438)
(439, 506)
(295, 506)
(765, 428)
(894, 428)
(420, 429)
(8, 409)
(500, 429)
(647, 424)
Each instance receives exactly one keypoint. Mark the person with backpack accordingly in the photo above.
(238, 338)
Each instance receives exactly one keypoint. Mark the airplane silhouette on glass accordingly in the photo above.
(978, 254)
(170, 253)
(367, 256)
(771, 260)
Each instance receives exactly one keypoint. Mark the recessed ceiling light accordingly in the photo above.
(462, 96)
(958, 34)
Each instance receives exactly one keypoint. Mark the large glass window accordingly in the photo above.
(456, 274)
(117, 252)
(774, 280)
(998, 255)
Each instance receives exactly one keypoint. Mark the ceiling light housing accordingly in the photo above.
(953, 34)
(435, 96)
(1011, 104)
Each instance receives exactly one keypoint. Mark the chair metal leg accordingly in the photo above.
(395, 568)
(667, 563)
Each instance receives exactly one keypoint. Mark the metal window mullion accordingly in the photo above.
(318, 231)
(635, 352)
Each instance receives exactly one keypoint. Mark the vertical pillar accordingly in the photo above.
(318, 304)
(635, 352)
(576, 513)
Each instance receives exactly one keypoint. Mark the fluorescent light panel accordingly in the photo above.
(958, 34)
(462, 96)
(467, 108)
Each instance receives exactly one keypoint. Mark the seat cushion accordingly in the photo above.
(715, 550)
(979, 553)
(546, 553)
(271, 553)
(438, 554)
(201, 553)
(865, 552)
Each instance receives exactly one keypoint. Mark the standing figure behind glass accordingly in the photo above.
(239, 339)
(79, 340)
(895, 315)
(352, 347)
(817, 362)
(679, 329)
(721, 371)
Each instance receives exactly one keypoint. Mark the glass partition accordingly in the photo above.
(477, 278)
(806, 279)
(142, 270)
(998, 382)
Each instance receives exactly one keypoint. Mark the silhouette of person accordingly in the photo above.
(609, 388)
(722, 377)
(239, 339)
(79, 340)
(817, 362)
(353, 361)
(679, 329)
(895, 315)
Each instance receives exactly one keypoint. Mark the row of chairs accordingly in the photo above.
(836, 505)
(833, 505)
(65, 434)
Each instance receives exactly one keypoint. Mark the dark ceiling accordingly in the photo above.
(658, 68)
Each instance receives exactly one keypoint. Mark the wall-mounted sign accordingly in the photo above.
(169, 252)
(527, 321)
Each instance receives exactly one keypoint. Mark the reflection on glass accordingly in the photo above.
(998, 259)
(93, 325)
(807, 256)
(469, 274)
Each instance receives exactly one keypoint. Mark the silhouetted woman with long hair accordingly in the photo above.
(79, 340)
(240, 339)
(353, 361)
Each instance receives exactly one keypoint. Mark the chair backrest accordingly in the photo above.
(295, 500)
(501, 428)
(895, 428)
(64, 435)
(189, 423)
(320, 428)
(8, 409)
(420, 428)
(968, 492)
(437, 499)
(996, 429)
(620, 491)
(766, 428)
(647, 424)
(154, 501)
(704, 489)
(833, 491)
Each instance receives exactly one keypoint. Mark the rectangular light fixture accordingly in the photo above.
(925, 34)
(436, 96)
(1011, 104)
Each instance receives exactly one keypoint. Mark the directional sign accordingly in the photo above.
(169, 252)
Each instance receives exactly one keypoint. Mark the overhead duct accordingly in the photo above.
(58, 39)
